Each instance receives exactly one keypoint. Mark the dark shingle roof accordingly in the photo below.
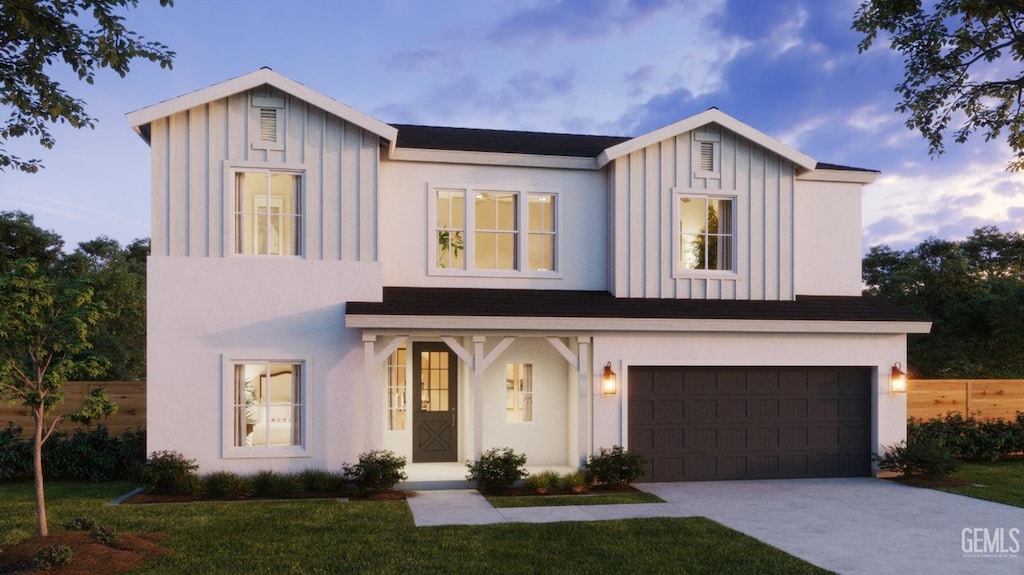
(516, 142)
(463, 302)
(839, 167)
(503, 141)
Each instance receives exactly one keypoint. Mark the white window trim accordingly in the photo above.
(231, 451)
(523, 232)
(677, 269)
(228, 207)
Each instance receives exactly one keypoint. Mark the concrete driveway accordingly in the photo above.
(862, 525)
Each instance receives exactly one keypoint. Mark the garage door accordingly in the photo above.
(706, 423)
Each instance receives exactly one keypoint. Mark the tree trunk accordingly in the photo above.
(37, 471)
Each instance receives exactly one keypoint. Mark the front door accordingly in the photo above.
(434, 424)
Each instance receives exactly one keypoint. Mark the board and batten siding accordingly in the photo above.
(643, 247)
(192, 150)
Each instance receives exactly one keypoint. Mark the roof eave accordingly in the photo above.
(145, 116)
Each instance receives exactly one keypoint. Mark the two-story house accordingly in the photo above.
(322, 284)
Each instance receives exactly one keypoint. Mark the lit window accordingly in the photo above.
(478, 230)
(519, 392)
(450, 229)
(397, 411)
(541, 237)
(496, 233)
(268, 404)
(268, 213)
(706, 234)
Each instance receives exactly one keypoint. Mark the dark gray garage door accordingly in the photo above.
(706, 423)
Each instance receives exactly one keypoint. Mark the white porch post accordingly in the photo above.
(374, 437)
(585, 439)
(478, 395)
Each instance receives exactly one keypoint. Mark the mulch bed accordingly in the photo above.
(592, 490)
(931, 482)
(88, 555)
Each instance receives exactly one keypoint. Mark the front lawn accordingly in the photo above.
(327, 536)
(1001, 481)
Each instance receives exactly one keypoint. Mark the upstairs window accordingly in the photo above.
(268, 213)
(496, 230)
(481, 230)
(706, 233)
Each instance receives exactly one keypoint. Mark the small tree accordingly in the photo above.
(45, 322)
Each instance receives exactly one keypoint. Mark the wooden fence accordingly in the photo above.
(130, 397)
(983, 398)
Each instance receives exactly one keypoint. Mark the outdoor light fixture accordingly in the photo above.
(897, 379)
(608, 383)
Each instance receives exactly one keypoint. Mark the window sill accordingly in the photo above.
(265, 452)
(501, 274)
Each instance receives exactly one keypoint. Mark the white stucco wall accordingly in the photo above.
(827, 238)
(878, 351)
(202, 311)
(405, 229)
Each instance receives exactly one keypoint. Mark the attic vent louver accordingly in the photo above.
(268, 124)
(707, 156)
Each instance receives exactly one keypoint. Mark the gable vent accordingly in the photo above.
(707, 156)
(268, 124)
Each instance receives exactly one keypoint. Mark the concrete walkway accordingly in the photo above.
(850, 526)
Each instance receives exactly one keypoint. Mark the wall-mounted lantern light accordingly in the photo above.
(609, 385)
(897, 379)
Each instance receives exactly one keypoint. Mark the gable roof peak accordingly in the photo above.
(712, 115)
(140, 119)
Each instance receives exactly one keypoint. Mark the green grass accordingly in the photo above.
(562, 500)
(327, 536)
(1000, 481)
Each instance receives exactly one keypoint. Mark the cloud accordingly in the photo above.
(418, 60)
(636, 80)
(575, 20)
(533, 86)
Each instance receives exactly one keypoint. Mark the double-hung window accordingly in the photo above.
(268, 212)
(518, 392)
(398, 410)
(268, 400)
(494, 231)
(706, 230)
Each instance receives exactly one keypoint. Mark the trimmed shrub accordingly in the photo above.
(921, 456)
(322, 481)
(574, 482)
(104, 535)
(15, 453)
(615, 466)
(378, 470)
(497, 469)
(80, 523)
(52, 556)
(170, 473)
(92, 454)
(544, 482)
(226, 485)
(271, 484)
(969, 438)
